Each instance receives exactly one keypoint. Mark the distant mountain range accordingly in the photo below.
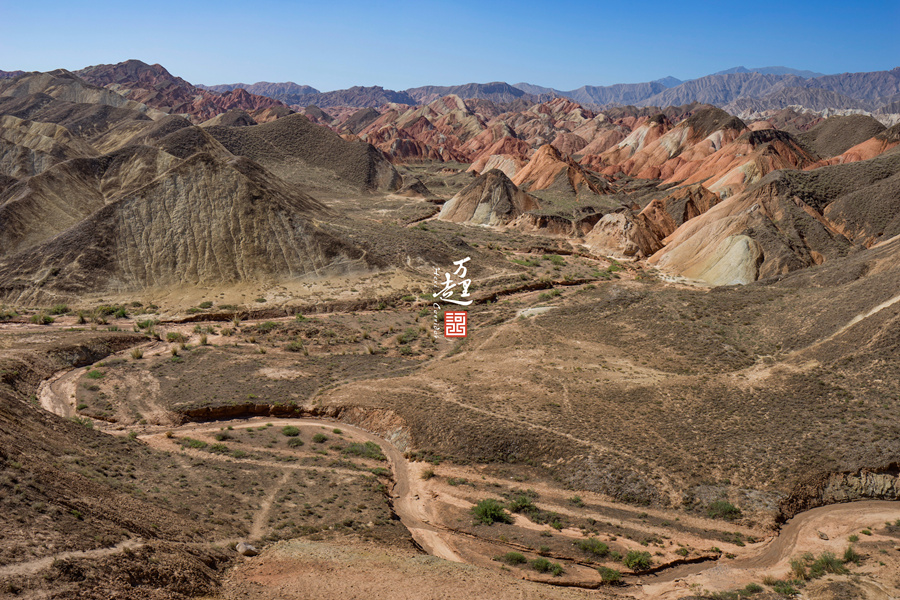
(739, 90)
(736, 89)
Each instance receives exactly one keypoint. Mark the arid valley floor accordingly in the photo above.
(681, 377)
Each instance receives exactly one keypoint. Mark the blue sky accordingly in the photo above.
(337, 44)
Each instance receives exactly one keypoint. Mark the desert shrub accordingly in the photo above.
(576, 500)
(826, 563)
(542, 565)
(188, 442)
(427, 474)
(752, 588)
(174, 336)
(852, 556)
(222, 436)
(206, 304)
(521, 504)
(290, 431)
(609, 575)
(137, 353)
(722, 509)
(59, 309)
(266, 327)
(637, 561)
(593, 546)
(555, 259)
(294, 347)
(490, 511)
(410, 334)
(367, 450)
(219, 449)
(513, 558)
(798, 569)
(204, 341)
(320, 438)
(41, 319)
(785, 588)
(94, 374)
(295, 442)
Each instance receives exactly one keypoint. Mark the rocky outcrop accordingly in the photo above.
(835, 488)
(622, 234)
(492, 199)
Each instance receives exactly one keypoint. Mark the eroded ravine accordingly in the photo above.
(414, 507)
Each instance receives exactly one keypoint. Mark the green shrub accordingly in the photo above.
(542, 565)
(83, 421)
(513, 558)
(41, 319)
(490, 511)
(137, 353)
(826, 563)
(94, 374)
(521, 504)
(853, 538)
(222, 436)
(219, 449)
(609, 575)
(174, 336)
(851, 556)
(752, 588)
(295, 442)
(555, 259)
(785, 588)
(367, 450)
(722, 509)
(59, 309)
(407, 336)
(320, 438)
(294, 346)
(290, 431)
(593, 546)
(192, 443)
(206, 304)
(266, 327)
(798, 569)
(637, 561)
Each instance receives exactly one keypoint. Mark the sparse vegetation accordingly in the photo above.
(490, 511)
(637, 561)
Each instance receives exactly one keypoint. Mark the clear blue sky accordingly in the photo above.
(337, 44)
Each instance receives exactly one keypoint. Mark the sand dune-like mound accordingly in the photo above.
(492, 199)
(835, 135)
(235, 117)
(291, 146)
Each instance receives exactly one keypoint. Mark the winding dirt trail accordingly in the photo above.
(34, 566)
(413, 504)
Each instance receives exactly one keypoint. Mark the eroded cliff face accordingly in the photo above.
(835, 488)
